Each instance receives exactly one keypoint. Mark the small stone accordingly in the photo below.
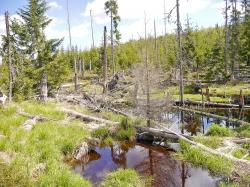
(39, 168)
(145, 137)
(5, 158)
(83, 150)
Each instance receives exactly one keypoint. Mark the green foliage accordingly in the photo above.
(215, 164)
(217, 130)
(122, 178)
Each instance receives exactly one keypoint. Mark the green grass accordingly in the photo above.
(123, 178)
(217, 130)
(47, 143)
(215, 164)
(49, 110)
(243, 131)
(230, 90)
(223, 184)
(213, 141)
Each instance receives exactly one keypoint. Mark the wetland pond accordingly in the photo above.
(150, 161)
(197, 123)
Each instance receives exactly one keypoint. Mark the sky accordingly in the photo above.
(202, 13)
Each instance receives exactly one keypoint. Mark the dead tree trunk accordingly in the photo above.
(75, 77)
(147, 74)
(9, 55)
(105, 64)
(112, 40)
(93, 44)
(226, 38)
(179, 60)
(44, 87)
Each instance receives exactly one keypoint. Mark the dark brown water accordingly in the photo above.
(148, 160)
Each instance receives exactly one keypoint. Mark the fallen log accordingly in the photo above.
(157, 133)
(207, 149)
(87, 117)
(232, 120)
(211, 104)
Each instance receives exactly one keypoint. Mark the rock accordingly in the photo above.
(145, 137)
(82, 151)
(2, 136)
(39, 168)
(5, 158)
(2, 98)
(28, 125)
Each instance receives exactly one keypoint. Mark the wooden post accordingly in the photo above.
(9, 55)
(105, 68)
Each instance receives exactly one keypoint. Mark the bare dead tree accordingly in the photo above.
(105, 60)
(70, 46)
(226, 37)
(147, 71)
(9, 55)
(69, 29)
(93, 42)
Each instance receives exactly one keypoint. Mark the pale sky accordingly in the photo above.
(203, 13)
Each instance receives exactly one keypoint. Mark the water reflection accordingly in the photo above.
(196, 123)
(148, 160)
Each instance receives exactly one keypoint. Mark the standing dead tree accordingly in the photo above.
(9, 55)
(105, 61)
(70, 48)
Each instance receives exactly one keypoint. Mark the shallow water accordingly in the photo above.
(148, 160)
(196, 123)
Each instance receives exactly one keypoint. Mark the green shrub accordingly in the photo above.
(100, 133)
(123, 178)
(217, 130)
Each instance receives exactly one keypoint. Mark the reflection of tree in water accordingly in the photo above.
(92, 156)
(119, 151)
(193, 123)
(164, 170)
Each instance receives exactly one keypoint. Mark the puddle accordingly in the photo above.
(148, 160)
